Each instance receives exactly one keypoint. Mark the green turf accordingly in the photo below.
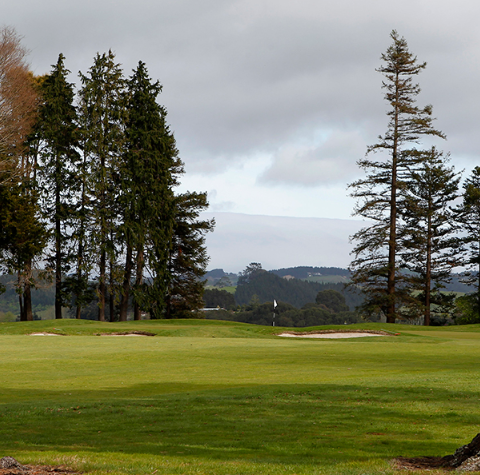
(207, 397)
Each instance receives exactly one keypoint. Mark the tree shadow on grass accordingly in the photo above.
(294, 424)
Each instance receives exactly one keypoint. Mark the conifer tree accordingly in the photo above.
(427, 234)
(102, 120)
(58, 137)
(467, 215)
(188, 256)
(149, 172)
(375, 268)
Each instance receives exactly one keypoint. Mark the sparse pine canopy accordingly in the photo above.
(375, 268)
(467, 215)
(428, 247)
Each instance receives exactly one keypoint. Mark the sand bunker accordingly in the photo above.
(44, 334)
(134, 333)
(333, 334)
(127, 334)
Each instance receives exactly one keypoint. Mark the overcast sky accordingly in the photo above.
(272, 102)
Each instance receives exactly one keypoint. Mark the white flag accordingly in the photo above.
(274, 304)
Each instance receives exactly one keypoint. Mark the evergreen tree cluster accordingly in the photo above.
(90, 195)
(404, 259)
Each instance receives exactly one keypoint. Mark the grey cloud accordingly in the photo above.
(333, 161)
(277, 241)
(242, 76)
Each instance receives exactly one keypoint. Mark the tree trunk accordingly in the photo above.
(126, 285)
(101, 287)
(27, 298)
(392, 243)
(111, 297)
(463, 453)
(58, 265)
(138, 282)
(20, 304)
(428, 273)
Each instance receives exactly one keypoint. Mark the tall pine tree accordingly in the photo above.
(58, 136)
(467, 215)
(375, 268)
(149, 172)
(102, 120)
(427, 234)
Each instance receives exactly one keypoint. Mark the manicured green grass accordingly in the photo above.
(206, 397)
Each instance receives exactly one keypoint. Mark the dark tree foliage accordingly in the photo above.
(57, 140)
(467, 215)
(149, 171)
(106, 172)
(22, 239)
(253, 270)
(332, 300)
(429, 249)
(286, 315)
(214, 298)
(102, 117)
(375, 267)
(188, 257)
(353, 298)
(43, 294)
(268, 287)
(467, 310)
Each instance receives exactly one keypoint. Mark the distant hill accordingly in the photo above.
(215, 275)
(268, 286)
(306, 272)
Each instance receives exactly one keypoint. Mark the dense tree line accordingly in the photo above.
(404, 260)
(87, 185)
(329, 308)
(214, 298)
(267, 286)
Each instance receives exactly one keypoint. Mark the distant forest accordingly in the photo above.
(300, 302)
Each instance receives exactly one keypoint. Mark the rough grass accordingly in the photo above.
(207, 397)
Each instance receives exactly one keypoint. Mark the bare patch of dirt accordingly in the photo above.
(10, 466)
(465, 459)
(421, 463)
(37, 470)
